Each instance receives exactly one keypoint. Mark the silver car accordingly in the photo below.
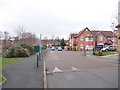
(59, 49)
(109, 48)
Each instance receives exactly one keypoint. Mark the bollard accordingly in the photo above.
(37, 60)
(84, 52)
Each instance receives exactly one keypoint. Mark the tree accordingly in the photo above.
(45, 38)
(25, 37)
(57, 38)
(20, 30)
(62, 43)
(52, 37)
(6, 37)
(1, 34)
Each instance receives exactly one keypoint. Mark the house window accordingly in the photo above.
(89, 39)
(81, 46)
(89, 47)
(81, 38)
(100, 38)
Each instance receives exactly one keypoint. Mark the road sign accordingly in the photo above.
(36, 48)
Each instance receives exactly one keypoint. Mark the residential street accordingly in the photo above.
(67, 69)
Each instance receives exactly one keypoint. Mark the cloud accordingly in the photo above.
(56, 17)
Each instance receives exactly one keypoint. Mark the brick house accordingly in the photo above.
(104, 38)
(73, 41)
(87, 39)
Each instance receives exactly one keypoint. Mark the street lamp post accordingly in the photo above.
(113, 25)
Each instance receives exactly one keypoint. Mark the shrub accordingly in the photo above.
(74, 49)
(98, 53)
(16, 51)
(29, 48)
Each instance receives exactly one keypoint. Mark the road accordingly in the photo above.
(67, 69)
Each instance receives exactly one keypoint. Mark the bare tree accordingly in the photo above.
(20, 32)
(57, 38)
(52, 37)
(1, 36)
(6, 37)
(25, 37)
(45, 38)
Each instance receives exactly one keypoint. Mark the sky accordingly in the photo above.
(57, 17)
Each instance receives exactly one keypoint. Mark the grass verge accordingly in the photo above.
(8, 61)
(108, 53)
(2, 79)
(4, 62)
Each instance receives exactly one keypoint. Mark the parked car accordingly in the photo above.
(109, 48)
(98, 48)
(53, 48)
(59, 49)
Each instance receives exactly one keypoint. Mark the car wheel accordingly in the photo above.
(106, 50)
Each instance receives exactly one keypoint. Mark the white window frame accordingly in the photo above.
(100, 38)
(81, 45)
(89, 47)
(89, 39)
(81, 38)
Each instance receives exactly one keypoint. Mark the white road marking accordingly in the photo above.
(75, 69)
(57, 70)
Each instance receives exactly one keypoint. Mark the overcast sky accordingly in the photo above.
(57, 17)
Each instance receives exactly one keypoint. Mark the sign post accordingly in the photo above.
(37, 49)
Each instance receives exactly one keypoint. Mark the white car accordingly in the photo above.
(109, 48)
(53, 48)
(59, 49)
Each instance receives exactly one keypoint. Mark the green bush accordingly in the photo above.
(29, 48)
(16, 51)
(97, 53)
(74, 49)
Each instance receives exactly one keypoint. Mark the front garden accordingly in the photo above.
(99, 53)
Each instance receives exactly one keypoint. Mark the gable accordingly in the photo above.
(101, 34)
(85, 32)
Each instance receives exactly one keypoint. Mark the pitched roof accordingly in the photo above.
(106, 33)
(83, 31)
(74, 35)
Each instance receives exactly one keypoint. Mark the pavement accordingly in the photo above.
(109, 58)
(67, 69)
(24, 74)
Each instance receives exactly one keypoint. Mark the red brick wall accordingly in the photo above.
(72, 42)
(104, 39)
(86, 33)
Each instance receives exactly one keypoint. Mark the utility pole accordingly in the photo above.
(40, 44)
